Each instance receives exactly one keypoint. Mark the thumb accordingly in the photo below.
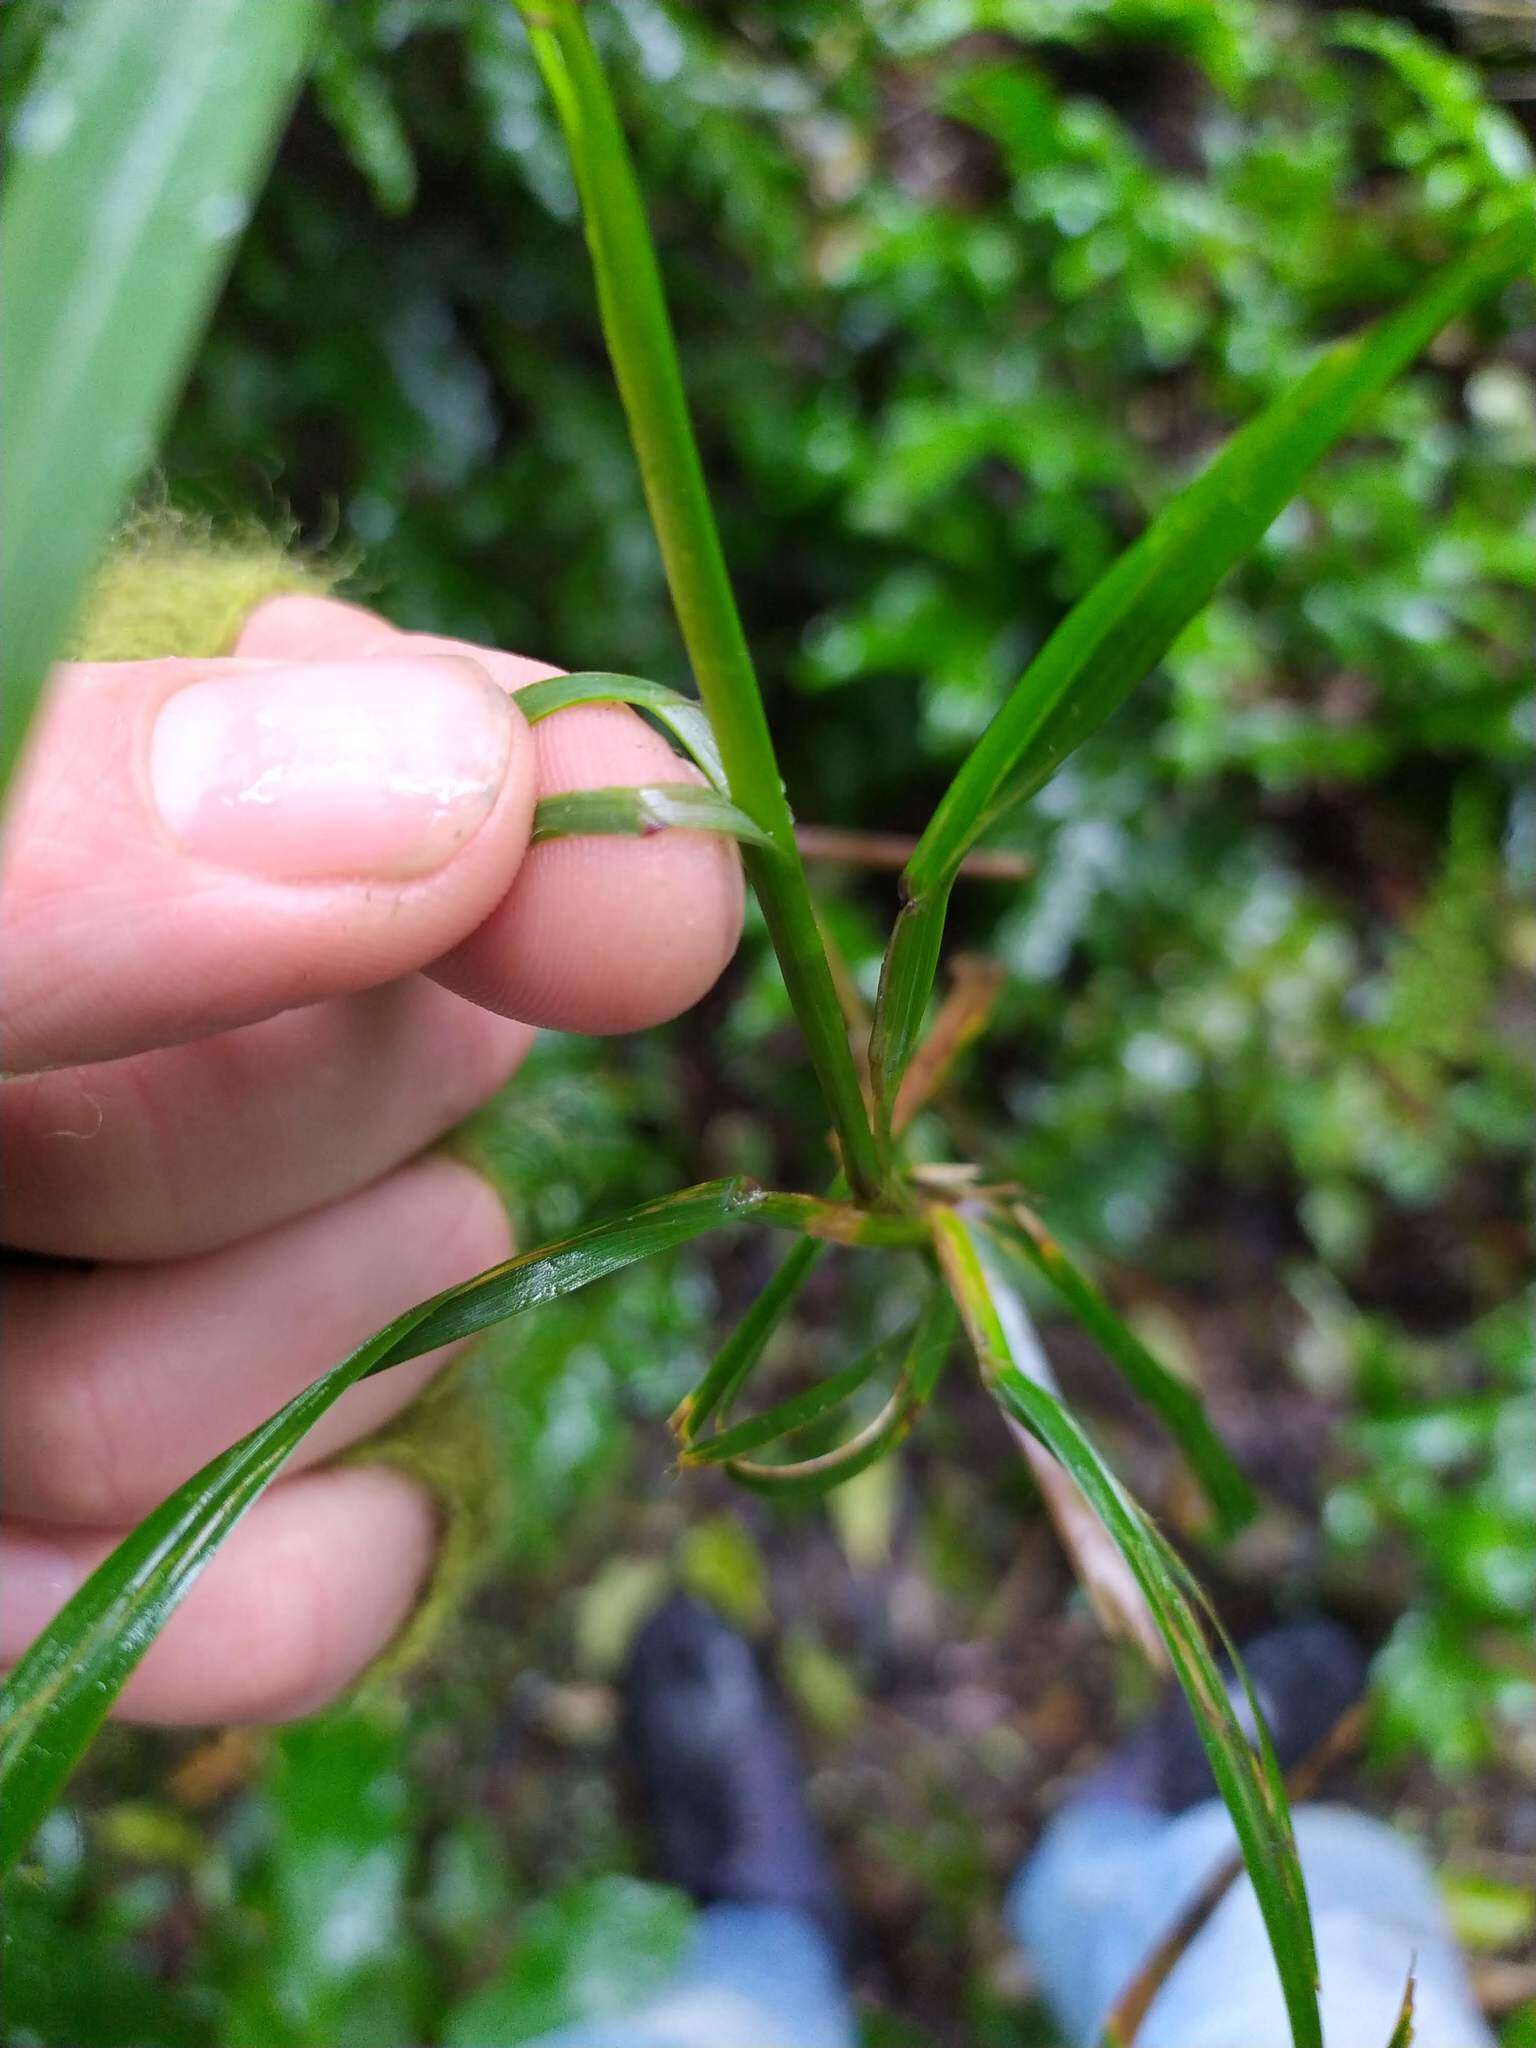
(196, 845)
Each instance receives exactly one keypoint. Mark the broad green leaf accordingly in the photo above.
(1115, 636)
(1249, 1780)
(335, 1943)
(637, 813)
(586, 1959)
(681, 716)
(133, 164)
(67, 1979)
(1021, 1233)
(811, 1477)
(58, 1694)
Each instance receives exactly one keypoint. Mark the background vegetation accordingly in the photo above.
(963, 289)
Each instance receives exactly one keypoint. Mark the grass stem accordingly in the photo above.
(638, 332)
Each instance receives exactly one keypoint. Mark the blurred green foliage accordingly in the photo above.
(964, 288)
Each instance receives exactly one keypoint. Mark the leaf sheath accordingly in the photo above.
(678, 715)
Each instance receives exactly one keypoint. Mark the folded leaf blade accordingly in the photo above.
(785, 1418)
(733, 1363)
(639, 812)
(683, 717)
(1023, 1235)
(1248, 1779)
(811, 1478)
(56, 1697)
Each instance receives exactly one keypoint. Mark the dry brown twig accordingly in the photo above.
(892, 850)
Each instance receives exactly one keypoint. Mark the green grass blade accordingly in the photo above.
(1114, 637)
(494, 1295)
(1402, 2033)
(740, 1352)
(811, 1478)
(635, 813)
(787, 1417)
(58, 1694)
(907, 975)
(680, 716)
(840, 1222)
(132, 169)
(1248, 1781)
(814, 1478)
(1020, 1233)
(638, 332)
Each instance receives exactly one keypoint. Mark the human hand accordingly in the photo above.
(271, 927)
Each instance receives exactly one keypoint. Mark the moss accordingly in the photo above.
(174, 585)
(442, 1442)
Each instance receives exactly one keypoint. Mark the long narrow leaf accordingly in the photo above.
(133, 165)
(735, 1359)
(1021, 1233)
(812, 1477)
(785, 1418)
(1248, 1780)
(635, 813)
(681, 716)
(58, 1694)
(1108, 1582)
(1402, 2033)
(675, 1219)
(1114, 637)
(638, 331)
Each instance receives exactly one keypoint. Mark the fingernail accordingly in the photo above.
(376, 769)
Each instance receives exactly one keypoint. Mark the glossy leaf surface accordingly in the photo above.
(132, 169)
(59, 1693)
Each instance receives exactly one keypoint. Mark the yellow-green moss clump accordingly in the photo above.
(172, 585)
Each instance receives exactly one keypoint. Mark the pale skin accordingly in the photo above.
(258, 960)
